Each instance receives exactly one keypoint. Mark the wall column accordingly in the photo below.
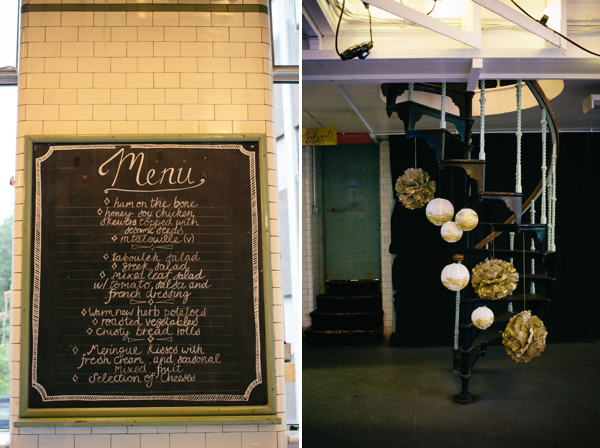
(139, 68)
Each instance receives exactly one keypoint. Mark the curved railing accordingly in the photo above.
(542, 100)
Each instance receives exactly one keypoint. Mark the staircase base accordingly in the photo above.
(465, 399)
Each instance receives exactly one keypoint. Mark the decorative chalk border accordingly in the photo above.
(37, 272)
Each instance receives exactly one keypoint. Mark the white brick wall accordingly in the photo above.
(310, 249)
(386, 207)
(146, 72)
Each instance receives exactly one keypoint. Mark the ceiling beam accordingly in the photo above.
(523, 21)
(428, 22)
(315, 16)
(357, 112)
(474, 73)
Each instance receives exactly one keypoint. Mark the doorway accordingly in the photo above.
(350, 246)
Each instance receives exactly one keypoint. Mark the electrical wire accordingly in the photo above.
(434, 3)
(370, 26)
(337, 30)
(556, 32)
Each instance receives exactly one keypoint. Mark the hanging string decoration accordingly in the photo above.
(439, 211)
(414, 188)
(450, 232)
(524, 337)
(466, 219)
(482, 317)
(455, 276)
(494, 279)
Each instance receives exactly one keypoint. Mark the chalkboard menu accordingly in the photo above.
(147, 276)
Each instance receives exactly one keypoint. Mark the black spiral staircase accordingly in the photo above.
(453, 152)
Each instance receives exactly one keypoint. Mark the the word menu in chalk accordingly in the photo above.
(146, 275)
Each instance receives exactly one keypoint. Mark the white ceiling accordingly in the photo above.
(347, 93)
(358, 108)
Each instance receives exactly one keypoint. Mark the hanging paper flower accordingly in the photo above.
(524, 337)
(494, 279)
(414, 188)
(482, 317)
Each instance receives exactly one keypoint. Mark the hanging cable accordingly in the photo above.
(337, 30)
(415, 139)
(370, 20)
(434, 3)
(553, 30)
(360, 51)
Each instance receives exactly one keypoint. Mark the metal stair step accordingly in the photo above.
(474, 168)
(513, 201)
(540, 231)
(410, 112)
(485, 337)
(513, 298)
(442, 141)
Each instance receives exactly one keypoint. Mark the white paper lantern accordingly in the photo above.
(466, 219)
(439, 211)
(482, 317)
(455, 276)
(450, 232)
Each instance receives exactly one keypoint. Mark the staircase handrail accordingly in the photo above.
(542, 100)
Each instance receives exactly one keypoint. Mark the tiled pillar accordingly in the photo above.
(386, 207)
(309, 238)
(110, 67)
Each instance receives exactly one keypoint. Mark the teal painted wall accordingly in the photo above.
(349, 215)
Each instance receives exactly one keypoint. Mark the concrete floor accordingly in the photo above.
(377, 396)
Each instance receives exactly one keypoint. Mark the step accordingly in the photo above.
(539, 231)
(514, 297)
(370, 320)
(504, 317)
(485, 337)
(462, 98)
(498, 318)
(327, 302)
(510, 252)
(410, 112)
(474, 168)
(442, 141)
(353, 287)
(343, 337)
(513, 201)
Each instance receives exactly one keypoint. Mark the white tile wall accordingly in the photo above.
(309, 240)
(386, 207)
(130, 72)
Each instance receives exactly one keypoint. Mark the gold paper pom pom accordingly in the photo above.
(414, 188)
(524, 337)
(494, 279)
